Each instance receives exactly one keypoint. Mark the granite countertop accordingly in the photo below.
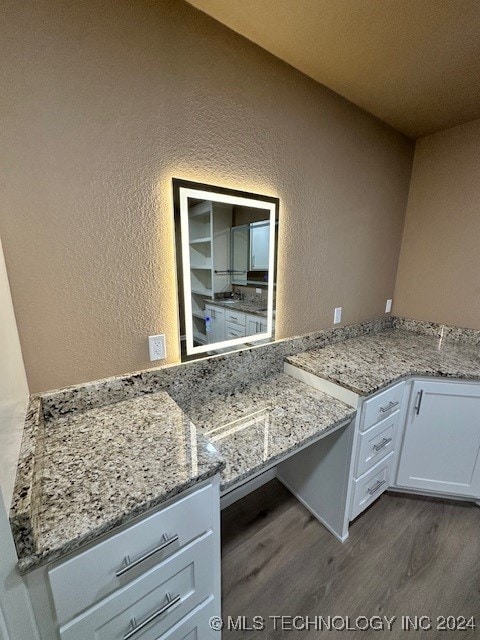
(245, 306)
(85, 473)
(368, 363)
(93, 457)
(255, 427)
(94, 470)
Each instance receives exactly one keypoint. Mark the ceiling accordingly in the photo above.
(412, 63)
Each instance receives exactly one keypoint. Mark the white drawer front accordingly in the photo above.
(370, 486)
(376, 443)
(156, 601)
(195, 626)
(235, 317)
(234, 331)
(382, 406)
(90, 576)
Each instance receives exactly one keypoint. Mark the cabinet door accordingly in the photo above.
(441, 445)
(252, 325)
(217, 324)
(259, 245)
(240, 254)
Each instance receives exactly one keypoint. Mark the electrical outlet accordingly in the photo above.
(337, 315)
(388, 306)
(156, 347)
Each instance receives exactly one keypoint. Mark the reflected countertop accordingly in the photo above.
(257, 308)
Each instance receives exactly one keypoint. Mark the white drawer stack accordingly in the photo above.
(235, 324)
(157, 579)
(375, 447)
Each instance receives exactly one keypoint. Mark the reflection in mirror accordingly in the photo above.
(226, 265)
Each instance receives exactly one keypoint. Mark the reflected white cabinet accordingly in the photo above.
(256, 324)
(441, 445)
(259, 245)
(215, 323)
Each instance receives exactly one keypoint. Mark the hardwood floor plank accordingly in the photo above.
(406, 556)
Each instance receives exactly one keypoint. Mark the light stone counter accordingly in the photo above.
(368, 363)
(255, 427)
(94, 456)
(88, 472)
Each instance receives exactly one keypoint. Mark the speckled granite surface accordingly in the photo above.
(76, 442)
(83, 442)
(446, 332)
(95, 470)
(253, 428)
(193, 382)
(245, 306)
(368, 363)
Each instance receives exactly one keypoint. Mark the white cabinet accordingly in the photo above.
(376, 443)
(441, 446)
(255, 324)
(240, 261)
(152, 604)
(374, 446)
(371, 485)
(214, 323)
(259, 246)
(101, 570)
(159, 577)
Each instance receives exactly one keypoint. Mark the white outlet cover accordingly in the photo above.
(337, 315)
(156, 347)
(388, 306)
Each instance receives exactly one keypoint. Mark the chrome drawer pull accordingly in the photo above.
(390, 405)
(376, 487)
(418, 402)
(129, 564)
(382, 444)
(135, 628)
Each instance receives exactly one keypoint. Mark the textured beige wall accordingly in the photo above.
(13, 388)
(438, 275)
(102, 104)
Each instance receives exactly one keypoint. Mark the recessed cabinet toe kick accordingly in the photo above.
(418, 435)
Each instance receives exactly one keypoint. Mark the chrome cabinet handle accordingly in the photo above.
(129, 564)
(135, 628)
(382, 444)
(389, 406)
(418, 402)
(376, 487)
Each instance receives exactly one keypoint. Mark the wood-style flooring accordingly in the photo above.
(406, 556)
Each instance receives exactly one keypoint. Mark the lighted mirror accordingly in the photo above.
(226, 267)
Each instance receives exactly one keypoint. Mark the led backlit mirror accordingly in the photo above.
(226, 267)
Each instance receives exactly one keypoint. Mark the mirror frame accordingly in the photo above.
(184, 189)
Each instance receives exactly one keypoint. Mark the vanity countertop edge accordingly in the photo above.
(363, 358)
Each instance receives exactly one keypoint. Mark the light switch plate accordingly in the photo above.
(337, 315)
(388, 306)
(156, 347)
